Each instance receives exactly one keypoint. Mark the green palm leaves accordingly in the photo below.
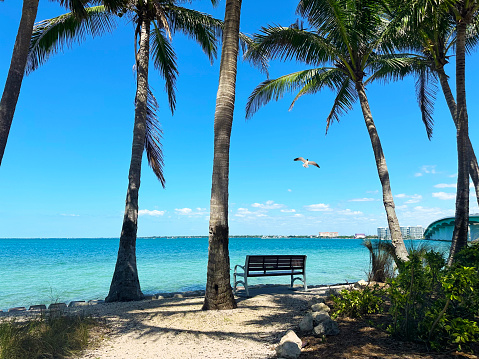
(54, 35)
(350, 44)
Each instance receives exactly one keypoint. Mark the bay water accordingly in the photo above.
(43, 271)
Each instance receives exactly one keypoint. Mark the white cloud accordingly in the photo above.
(373, 192)
(415, 198)
(444, 195)
(361, 200)
(154, 213)
(298, 215)
(69, 215)
(290, 190)
(190, 212)
(320, 207)
(245, 212)
(288, 210)
(348, 212)
(445, 185)
(268, 205)
(183, 211)
(426, 169)
(418, 174)
(401, 207)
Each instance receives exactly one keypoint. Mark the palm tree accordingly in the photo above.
(433, 37)
(464, 13)
(155, 22)
(13, 84)
(219, 294)
(15, 73)
(350, 37)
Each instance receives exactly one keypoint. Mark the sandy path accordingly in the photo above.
(178, 328)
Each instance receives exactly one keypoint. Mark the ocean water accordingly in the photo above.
(42, 271)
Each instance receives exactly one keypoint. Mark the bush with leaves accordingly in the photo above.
(357, 303)
(436, 304)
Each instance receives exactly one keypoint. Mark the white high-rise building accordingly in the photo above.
(408, 232)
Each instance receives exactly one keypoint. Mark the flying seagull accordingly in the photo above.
(306, 162)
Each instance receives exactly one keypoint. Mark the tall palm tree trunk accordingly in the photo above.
(16, 71)
(125, 285)
(461, 227)
(451, 103)
(219, 294)
(393, 223)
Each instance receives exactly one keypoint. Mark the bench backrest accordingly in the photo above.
(258, 264)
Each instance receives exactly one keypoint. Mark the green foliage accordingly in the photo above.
(357, 303)
(436, 304)
(44, 337)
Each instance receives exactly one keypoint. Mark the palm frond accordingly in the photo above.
(393, 67)
(345, 98)
(164, 60)
(153, 137)
(53, 35)
(426, 89)
(288, 43)
(275, 89)
(201, 27)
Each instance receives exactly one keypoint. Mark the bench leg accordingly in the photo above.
(246, 285)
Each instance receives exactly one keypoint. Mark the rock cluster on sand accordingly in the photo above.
(316, 322)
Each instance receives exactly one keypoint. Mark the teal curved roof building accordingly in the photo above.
(443, 228)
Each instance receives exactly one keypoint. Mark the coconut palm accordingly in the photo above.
(465, 12)
(155, 21)
(13, 84)
(348, 43)
(434, 28)
(218, 293)
(15, 73)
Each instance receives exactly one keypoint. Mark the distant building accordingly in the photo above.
(383, 233)
(328, 234)
(409, 232)
(359, 236)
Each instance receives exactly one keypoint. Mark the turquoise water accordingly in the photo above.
(36, 271)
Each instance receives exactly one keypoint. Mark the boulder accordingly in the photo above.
(326, 327)
(319, 317)
(307, 324)
(361, 284)
(289, 347)
(320, 307)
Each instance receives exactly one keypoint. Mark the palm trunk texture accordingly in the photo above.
(16, 71)
(393, 223)
(125, 285)
(461, 227)
(451, 103)
(219, 294)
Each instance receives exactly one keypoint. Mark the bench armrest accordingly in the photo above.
(236, 266)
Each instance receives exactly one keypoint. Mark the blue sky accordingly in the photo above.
(65, 168)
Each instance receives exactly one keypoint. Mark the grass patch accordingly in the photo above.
(45, 337)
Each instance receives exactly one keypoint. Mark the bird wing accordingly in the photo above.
(300, 159)
(312, 163)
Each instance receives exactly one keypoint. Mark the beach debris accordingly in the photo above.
(290, 346)
(306, 162)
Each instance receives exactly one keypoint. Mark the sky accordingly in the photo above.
(65, 168)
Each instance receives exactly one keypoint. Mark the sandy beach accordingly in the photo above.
(178, 328)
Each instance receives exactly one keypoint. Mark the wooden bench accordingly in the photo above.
(271, 265)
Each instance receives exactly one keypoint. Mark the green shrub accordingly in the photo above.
(357, 303)
(436, 304)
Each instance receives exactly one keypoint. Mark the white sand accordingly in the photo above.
(178, 328)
